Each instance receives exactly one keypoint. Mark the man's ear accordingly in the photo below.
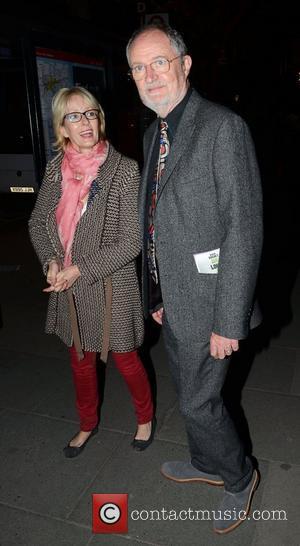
(187, 63)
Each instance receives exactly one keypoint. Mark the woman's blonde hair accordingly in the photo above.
(59, 110)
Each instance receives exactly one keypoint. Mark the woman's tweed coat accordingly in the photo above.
(106, 243)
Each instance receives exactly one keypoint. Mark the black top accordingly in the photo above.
(172, 119)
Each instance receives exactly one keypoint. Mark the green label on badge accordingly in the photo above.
(214, 260)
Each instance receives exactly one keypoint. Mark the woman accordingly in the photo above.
(84, 228)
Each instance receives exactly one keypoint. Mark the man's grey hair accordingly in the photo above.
(176, 40)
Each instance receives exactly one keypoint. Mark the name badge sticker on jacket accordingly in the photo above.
(207, 262)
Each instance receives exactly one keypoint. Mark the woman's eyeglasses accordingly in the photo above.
(74, 117)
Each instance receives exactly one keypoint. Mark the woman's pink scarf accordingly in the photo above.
(78, 172)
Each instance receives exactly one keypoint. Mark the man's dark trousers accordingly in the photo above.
(214, 444)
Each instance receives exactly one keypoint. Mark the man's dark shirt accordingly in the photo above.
(154, 292)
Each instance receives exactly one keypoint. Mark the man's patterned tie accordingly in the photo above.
(164, 148)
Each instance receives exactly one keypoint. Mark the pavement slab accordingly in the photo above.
(274, 425)
(24, 528)
(35, 474)
(279, 524)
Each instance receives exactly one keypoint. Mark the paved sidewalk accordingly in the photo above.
(45, 499)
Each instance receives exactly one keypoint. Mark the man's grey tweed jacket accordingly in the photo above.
(209, 199)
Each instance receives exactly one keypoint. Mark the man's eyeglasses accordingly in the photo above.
(74, 117)
(159, 66)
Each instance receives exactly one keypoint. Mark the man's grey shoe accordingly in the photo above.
(181, 471)
(235, 507)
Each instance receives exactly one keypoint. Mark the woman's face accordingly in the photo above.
(83, 134)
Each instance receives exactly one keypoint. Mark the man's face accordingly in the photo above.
(160, 92)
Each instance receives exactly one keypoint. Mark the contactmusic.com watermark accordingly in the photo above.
(111, 514)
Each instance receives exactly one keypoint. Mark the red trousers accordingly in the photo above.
(86, 386)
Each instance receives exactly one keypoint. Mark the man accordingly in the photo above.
(200, 205)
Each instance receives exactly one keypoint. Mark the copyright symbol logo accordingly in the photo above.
(109, 513)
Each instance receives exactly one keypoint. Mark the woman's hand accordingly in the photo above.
(53, 270)
(64, 279)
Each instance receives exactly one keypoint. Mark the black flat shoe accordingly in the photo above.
(141, 445)
(74, 451)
